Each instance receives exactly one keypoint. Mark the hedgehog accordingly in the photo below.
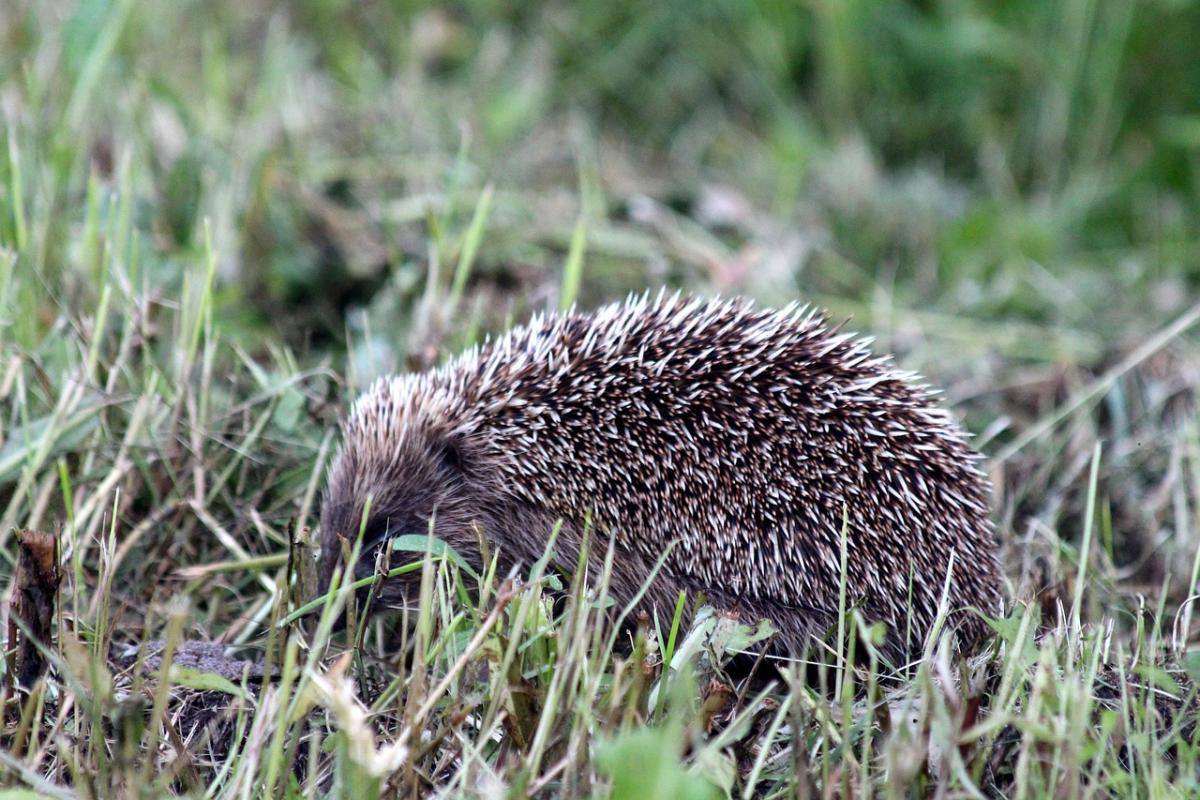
(732, 452)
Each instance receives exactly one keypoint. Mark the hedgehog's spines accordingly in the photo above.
(743, 433)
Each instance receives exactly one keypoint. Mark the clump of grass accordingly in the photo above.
(485, 682)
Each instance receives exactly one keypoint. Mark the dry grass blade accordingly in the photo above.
(1096, 388)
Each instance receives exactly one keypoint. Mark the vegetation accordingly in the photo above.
(220, 220)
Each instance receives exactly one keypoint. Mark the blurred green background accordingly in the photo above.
(1011, 161)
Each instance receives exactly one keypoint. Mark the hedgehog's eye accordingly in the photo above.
(449, 455)
(383, 530)
(377, 532)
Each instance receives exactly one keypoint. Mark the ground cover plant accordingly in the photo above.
(219, 221)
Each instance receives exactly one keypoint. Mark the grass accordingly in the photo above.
(219, 221)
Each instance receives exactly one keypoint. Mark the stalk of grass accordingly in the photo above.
(1086, 546)
(66, 419)
(476, 642)
(669, 651)
(17, 203)
(933, 639)
(1188, 608)
(230, 542)
(289, 675)
(1054, 120)
(865, 751)
(98, 56)
(761, 758)
(244, 450)
(8, 266)
(553, 699)
(517, 623)
(64, 480)
(573, 268)
(102, 606)
(99, 325)
(195, 309)
(846, 687)
(472, 240)
(637, 598)
(40, 786)
(843, 580)
(254, 621)
(176, 617)
(226, 769)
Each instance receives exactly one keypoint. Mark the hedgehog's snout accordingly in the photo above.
(393, 513)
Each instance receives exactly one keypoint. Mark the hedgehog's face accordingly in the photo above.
(419, 486)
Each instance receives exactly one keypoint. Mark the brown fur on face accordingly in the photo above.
(422, 484)
(740, 442)
(436, 484)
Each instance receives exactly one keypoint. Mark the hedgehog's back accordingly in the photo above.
(733, 444)
(743, 439)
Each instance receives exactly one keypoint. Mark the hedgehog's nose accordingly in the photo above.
(355, 604)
